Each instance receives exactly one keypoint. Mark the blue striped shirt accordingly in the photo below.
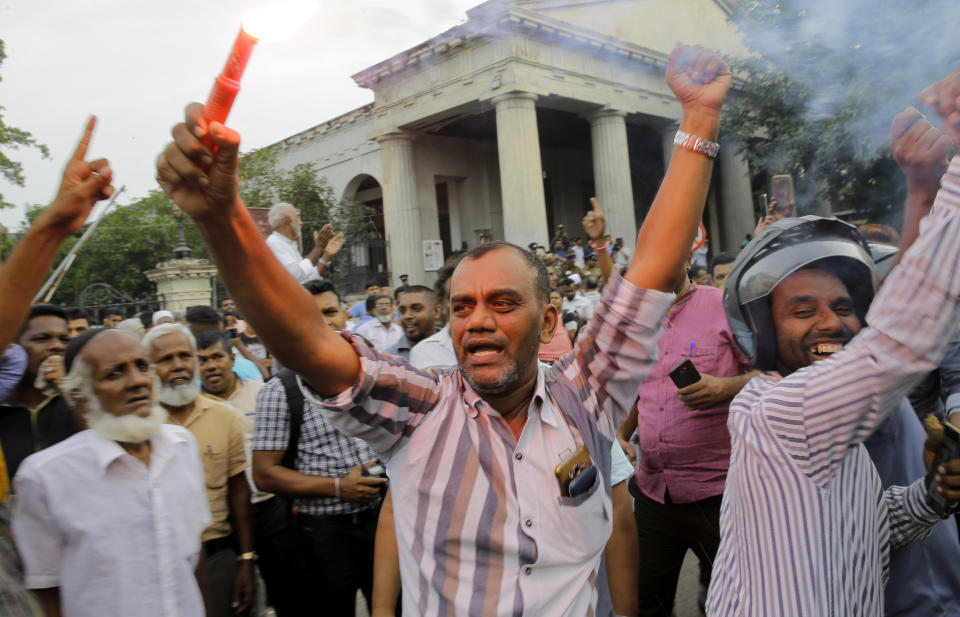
(806, 527)
(482, 528)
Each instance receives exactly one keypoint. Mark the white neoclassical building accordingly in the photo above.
(505, 125)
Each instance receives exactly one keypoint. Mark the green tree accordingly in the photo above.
(14, 138)
(817, 97)
(134, 238)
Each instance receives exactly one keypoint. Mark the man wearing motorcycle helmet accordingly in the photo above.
(806, 528)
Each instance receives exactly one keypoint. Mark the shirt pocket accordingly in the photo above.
(214, 457)
(705, 358)
(584, 522)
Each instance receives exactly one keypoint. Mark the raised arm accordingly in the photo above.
(700, 80)
(912, 320)
(921, 152)
(284, 315)
(83, 184)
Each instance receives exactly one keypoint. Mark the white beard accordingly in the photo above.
(385, 319)
(130, 428)
(177, 396)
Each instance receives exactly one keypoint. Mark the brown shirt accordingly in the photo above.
(221, 443)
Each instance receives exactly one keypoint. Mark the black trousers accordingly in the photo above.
(665, 531)
(273, 541)
(334, 558)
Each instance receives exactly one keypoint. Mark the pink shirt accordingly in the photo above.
(558, 346)
(682, 451)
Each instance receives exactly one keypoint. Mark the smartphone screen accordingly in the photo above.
(783, 191)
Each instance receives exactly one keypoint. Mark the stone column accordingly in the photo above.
(182, 283)
(521, 173)
(736, 199)
(611, 172)
(401, 212)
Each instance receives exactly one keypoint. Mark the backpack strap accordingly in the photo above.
(295, 406)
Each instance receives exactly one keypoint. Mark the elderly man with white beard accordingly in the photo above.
(228, 539)
(108, 522)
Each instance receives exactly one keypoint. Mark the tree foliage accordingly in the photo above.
(133, 239)
(817, 97)
(13, 138)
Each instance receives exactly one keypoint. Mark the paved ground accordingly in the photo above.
(686, 605)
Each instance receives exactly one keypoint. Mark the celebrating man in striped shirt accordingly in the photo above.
(806, 528)
(485, 525)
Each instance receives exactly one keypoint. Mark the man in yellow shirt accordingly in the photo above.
(219, 434)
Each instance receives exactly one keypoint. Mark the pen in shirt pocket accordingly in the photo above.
(692, 345)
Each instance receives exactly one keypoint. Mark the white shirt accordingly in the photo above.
(436, 350)
(578, 255)
(288, 254)
(580, 306)
(621, 257)
(381, 336)
(117, 537)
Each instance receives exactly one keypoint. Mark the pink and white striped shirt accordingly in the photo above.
(481, 526)
(806, 528)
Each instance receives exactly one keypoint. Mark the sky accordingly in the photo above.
(137, 64)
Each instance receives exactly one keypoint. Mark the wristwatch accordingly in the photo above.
(251, 556)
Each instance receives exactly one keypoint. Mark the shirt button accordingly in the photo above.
(528, 523)
(518, 456)
(661, 409)
(666, 353)
(661, 438)
(528, 570)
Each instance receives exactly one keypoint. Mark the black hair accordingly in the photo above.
(206, 315)
(541, 279)
(371, 284)
(720, 259)
(110, 311)
(212, 337)
(43, 310)
(565, 281)
(47, 310)
(77, 313)
(443, 275)
(399, 290)
(592, 282)
(421, 289)
(319, 287)
(146, 318)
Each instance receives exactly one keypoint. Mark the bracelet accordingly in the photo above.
(251, 556)
(697, 144)
(599, 249)
(336, 486)
(323, 261)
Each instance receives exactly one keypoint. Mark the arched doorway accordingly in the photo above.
(367, 241)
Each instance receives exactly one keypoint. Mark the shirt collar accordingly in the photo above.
(284, 239)
(540, 395)
(107, 451)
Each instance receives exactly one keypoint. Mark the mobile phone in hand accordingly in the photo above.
(684, 374)
(948, 450)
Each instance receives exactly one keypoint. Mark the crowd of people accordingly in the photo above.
(539, 431)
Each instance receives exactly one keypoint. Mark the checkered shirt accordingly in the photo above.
(321, 451)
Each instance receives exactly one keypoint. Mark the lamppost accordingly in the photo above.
(182, 251)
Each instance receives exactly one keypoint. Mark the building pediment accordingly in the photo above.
(630, 30)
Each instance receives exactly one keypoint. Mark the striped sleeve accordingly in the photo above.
(618, 348)
(911, 520)
(820, 411)
(386, 403)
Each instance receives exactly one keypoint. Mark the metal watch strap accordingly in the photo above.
(697, 144)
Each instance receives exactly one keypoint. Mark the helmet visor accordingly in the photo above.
(769, 270)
